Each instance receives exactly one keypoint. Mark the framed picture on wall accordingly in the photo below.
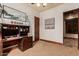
(50, 23)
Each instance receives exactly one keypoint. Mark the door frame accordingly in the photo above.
(78, 24)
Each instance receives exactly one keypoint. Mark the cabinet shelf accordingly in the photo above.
(10, 39)
(13, 46)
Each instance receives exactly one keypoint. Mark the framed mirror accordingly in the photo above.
(13, 14)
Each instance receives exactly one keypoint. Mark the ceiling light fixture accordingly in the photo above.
(40, 4)
(44, 4)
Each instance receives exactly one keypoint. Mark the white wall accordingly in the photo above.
(57, 12)
(29, 11)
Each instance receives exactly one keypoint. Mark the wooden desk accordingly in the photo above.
(23, 43)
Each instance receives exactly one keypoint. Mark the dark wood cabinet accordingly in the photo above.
(25, 43)
(72, 26)
(12, 36)
(1, 45)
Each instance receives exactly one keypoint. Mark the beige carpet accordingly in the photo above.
(42, 48)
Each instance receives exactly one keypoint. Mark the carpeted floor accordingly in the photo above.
(42, 48)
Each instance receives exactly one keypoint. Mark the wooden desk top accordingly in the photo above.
(12, 38)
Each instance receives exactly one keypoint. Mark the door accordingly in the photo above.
(37, 28)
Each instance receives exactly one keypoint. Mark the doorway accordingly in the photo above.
(71, 21)
(37, 20)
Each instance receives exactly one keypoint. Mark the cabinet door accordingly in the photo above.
(1, 44)
(72, 26)
(25, 43)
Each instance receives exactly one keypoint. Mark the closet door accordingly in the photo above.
(75, 26)
(69, 26)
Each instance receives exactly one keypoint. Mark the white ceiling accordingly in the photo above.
(41, 8)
